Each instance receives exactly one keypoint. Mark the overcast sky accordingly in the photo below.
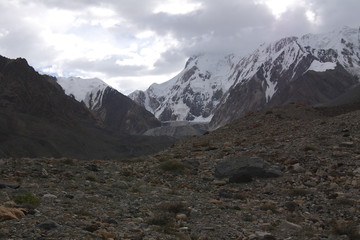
(133, 43)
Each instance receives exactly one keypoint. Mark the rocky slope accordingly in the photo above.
(178, 193)
(114, 109)
(222, 88)
(39, 119)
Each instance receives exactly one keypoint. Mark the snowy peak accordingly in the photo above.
(207, 80)
(194, 93)
(90, 90)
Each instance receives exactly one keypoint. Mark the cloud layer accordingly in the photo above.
(131, 44)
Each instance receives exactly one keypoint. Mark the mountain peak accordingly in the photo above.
(207, 80)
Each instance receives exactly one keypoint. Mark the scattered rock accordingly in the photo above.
(289, 226)
(244, 169)
(49, 225)
(9, 184)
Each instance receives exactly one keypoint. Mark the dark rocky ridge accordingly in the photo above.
(39, 120)
(311, 88)
(120, 113)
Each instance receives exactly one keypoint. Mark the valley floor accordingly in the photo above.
(174, 194)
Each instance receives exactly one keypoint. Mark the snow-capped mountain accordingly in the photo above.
(87, 90)
(194, 93)
(201, 92)
(114, 109)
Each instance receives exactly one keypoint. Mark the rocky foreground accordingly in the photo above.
(304, 184)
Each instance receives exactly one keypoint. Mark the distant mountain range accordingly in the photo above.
(37, 119)
(313, 69)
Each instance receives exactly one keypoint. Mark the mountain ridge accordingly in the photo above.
(114, 109)
(199, 90)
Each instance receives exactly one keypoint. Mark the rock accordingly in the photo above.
(49, 196)
(347, 144)
(5, 184)
(357, 172)
(105, 234)
(44, 173)
(11, 213)
(181, 216)
(219, 182)
(49, 225)
(289, 226)
(262, 236)
(215, 201)
(296, 168)
(92, 167)
(121, 185)
(244, 169)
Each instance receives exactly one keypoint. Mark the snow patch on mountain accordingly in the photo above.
(87, 90)
(321, 66)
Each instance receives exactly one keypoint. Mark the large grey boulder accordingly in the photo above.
(243, 169)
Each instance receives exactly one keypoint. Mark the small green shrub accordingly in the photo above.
(173, 166)
(27, 199)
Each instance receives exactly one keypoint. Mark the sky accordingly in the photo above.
(131, 44)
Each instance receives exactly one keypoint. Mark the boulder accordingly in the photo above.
(5, 184)
(243, 169)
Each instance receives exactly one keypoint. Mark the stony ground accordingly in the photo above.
(174, 194)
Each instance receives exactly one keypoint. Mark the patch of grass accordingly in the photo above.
(27, 199)
(173, 166)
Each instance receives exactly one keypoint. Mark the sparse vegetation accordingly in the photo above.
(27, 199)
(173, 166)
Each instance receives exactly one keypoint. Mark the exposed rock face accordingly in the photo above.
(122, 114)
(37, 119)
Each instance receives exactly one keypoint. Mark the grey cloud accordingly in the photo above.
(229, 26)
(107, 66)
